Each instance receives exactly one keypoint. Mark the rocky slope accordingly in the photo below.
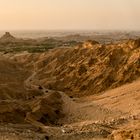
(41, 90)
(87, 69)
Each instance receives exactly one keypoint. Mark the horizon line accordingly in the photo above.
(130, 30)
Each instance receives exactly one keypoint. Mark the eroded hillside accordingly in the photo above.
(87, 69)
(63, 92)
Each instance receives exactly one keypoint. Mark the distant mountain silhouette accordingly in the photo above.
(7, 37)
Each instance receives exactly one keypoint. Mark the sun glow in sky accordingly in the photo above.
(69, 14)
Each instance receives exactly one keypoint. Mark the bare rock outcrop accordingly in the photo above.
(90, 69)
(7, 37)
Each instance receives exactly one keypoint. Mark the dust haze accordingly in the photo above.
(70, 70)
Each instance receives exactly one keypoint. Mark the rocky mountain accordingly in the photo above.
(7, 37)
(86, 69)
(87, 91)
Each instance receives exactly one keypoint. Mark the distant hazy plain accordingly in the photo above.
(51, 33)
(60, 33)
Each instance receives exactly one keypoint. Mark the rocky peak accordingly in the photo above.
(7, 37)
(89, 43)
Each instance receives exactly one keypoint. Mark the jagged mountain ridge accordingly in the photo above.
(86, 69)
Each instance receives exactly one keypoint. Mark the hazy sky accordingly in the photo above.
(69, 14)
